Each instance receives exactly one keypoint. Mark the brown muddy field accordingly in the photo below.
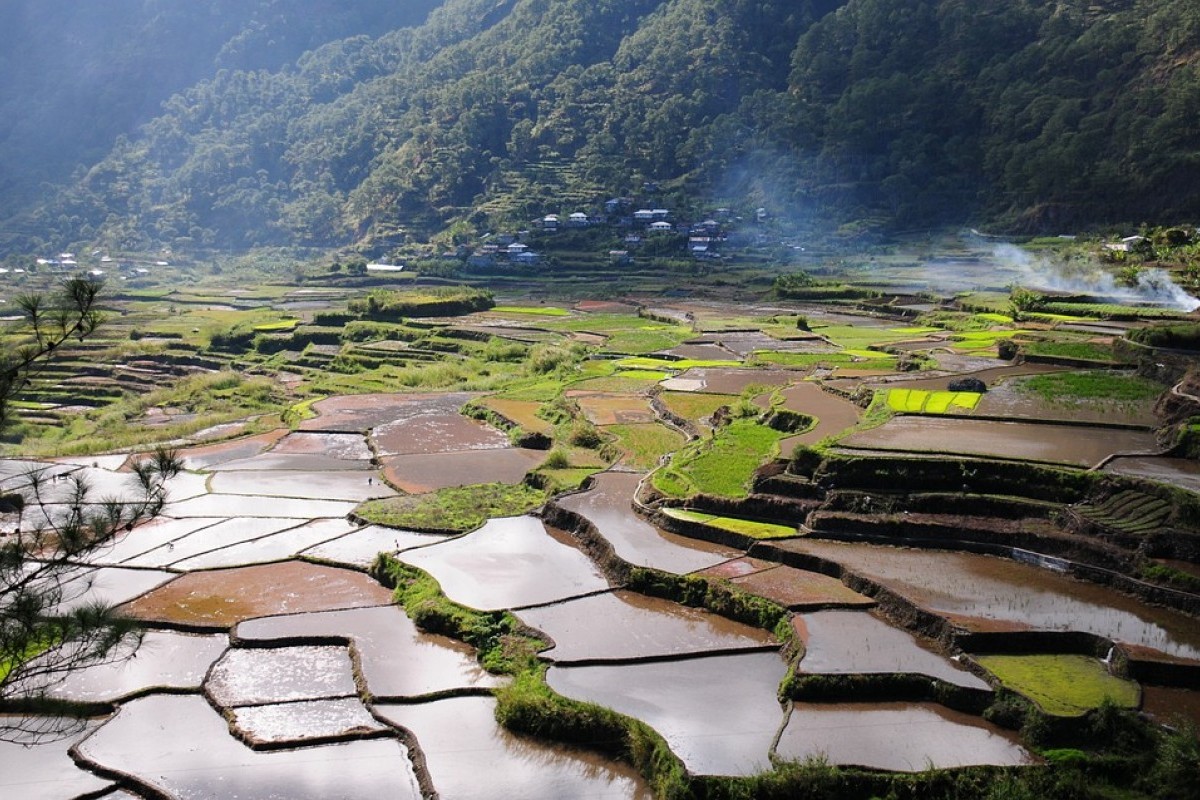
(1170, 705)
(220, 598)
(614, 409)
(362, 412)
(440, 432)
(1176, 471)
(718, 380)
(235, 450)
(1063, 444)
(834, 414)
(417, 474)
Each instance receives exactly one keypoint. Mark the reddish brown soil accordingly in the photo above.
(221, 598)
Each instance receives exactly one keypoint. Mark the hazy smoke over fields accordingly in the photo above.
(1153, 286)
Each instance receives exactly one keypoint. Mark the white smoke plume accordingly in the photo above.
(1153, 287)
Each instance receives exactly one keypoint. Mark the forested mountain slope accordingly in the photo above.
(494, 112)
(78, 73)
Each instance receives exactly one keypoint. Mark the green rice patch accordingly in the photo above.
(645, 363)
(280, 326)
(924, 401)
(645, 443)
(454, 510)
(1098, 385)
(541, 311)
(722, 465)
(747, 527)
(1062, 685)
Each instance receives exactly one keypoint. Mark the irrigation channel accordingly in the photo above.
(275, 666)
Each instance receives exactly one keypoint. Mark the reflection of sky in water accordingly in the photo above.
(993, 588)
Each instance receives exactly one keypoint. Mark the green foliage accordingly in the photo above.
(1065, 387)
(384, 304)
(1064, 685)
(1177, 337)
(454, 510)
(722, 465)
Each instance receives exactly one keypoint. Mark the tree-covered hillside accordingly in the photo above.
(78, 73)
(495, 112)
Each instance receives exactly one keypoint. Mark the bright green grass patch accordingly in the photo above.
(860, 338)
(279, 326)
(1082, 351)
(1092, 385)
(658, 364)
(643, 375)
(455, 510)
(645, 443)
(566, 478)
(756, 530)
(1063, 685)
(918, 401)
(854, 359)
(974, 341)
(627, 333)
(541, 311)
(722, 465)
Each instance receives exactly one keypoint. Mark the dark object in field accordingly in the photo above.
(967, 385)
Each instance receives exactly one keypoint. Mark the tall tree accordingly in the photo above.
(54, 523)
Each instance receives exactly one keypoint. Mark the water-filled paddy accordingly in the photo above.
(362, 412)
(983, 592)
(445, 432)
(397, 660)
(46, 771)
(244, 677)
(303, 721)
(725, 732)
(905, 737)
(859, 642)
(240, 505)
(624, 625)
(227, 532)
(607, 506)
(1171, 705)
(219, 598)
(149, 536)
(180, 746)
(208, 456)
(416, 474)
(469, 756)
(274, 547)
(1181, 472)
(345, 485)
(834, 414)
(509, 562)
(1065, 444)
(359, 548)
(790, 587)
(108, 585)
(164, 659)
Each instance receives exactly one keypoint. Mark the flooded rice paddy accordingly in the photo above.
(607, 507)
(508, 563)
(1065, 444)
(625, 625)
(988, 593)
(858, 642)
(314, 668)
(715, 733)
(904, 737)
(461, 742)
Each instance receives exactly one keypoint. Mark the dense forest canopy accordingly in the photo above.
(490, 113)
